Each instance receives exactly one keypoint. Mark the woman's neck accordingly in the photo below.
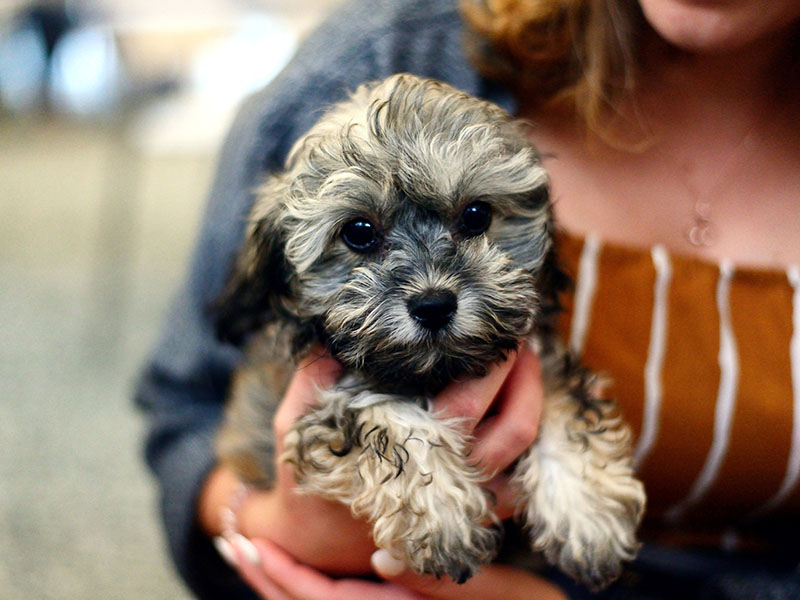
(740, 87)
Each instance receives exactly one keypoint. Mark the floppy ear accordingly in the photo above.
(257, 291)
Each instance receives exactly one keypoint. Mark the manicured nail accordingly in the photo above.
(225, 550)
(246, 547)
(386, 565)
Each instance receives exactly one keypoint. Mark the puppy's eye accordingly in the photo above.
(539, 196)
(476, 218)
(360, 235)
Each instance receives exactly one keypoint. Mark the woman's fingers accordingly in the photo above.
(318, 370)
(514, 387)
(469, 400)
(277, 575)
(495, 582)
(245, 557)
(511, 430)
(506, 496)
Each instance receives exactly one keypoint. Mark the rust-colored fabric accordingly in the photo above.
(690, 477)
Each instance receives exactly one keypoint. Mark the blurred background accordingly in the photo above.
(111, 114)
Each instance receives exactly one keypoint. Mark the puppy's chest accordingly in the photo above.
(364, 392)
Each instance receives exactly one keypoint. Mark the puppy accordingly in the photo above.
(412, 235)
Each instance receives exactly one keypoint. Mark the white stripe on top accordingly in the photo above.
(726, 399)
(793, 466)
(584, 293)
(655, 356)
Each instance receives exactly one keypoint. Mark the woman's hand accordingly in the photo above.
(500, 411)
(317, 532)
(275, 575)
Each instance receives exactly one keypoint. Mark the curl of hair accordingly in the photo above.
(568, 55)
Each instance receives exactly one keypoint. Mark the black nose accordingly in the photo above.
(433, 310)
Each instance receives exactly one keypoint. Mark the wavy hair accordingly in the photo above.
(576, 55)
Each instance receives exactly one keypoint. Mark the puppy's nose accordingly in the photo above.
(433, 310)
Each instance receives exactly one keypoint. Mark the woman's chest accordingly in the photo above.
(747, 211)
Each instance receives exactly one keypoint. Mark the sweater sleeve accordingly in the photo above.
(184, 382)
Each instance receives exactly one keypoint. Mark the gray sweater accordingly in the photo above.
(184, 383)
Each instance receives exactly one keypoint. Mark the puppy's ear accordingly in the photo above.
(257, 291)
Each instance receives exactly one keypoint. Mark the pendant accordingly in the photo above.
(700, 235)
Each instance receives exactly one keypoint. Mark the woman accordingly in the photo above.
(671, 127)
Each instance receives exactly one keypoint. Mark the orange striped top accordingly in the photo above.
(705, 364)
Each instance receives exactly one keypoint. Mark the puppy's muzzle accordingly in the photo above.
(433, 310)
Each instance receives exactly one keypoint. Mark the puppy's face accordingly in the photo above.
(407, 232)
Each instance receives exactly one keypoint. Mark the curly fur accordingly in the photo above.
(409, 155)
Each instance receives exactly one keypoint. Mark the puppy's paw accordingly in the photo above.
(438, 529)
(584, 520)
(448, 553)
(581, 499)
(592, 541)
(318, 447)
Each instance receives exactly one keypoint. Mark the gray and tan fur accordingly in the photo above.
(457, 270)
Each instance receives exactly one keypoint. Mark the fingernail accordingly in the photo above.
(225, 550)
(386, 565)
(246, 547)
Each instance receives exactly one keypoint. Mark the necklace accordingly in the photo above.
(701, 232)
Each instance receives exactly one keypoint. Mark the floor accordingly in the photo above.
(94, 237)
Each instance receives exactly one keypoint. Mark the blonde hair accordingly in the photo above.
(576, 55)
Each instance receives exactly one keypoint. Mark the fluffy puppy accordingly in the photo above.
(411, 234)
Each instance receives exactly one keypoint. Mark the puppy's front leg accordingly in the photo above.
(405, 472)
(581, 499)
